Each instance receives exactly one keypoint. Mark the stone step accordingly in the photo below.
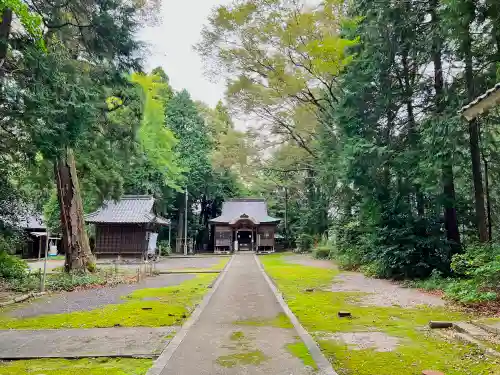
(492, 328)
(453, 334)
(470, 332)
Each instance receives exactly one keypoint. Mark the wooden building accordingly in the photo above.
(126, 228)
(244, 224)
(36, 238)
(482, 104)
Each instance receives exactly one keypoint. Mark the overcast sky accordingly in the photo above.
(171, 47)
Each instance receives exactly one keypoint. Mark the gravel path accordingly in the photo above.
(215, 345)
(91, 299)
(306, 260)
(95, 342)
(383, 292)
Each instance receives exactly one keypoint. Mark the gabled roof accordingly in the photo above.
(32, 222)
(130, 209)
(254, 209)
(482, 103)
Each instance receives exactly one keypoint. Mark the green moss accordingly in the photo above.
(172, 305)
(419, 349)
(300, 350)
(237, 336)
(279, 321)
(255, 357)
(101, 366)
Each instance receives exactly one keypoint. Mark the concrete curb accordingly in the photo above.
(172, 346)
(324, 366)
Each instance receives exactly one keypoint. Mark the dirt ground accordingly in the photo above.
(383, 292)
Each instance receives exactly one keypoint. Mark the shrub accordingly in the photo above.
(322, 252)
(164, 247)
(12, 267)
(305, 242)
(70, 281)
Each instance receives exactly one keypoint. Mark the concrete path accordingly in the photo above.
(75, 343)
(235, 333)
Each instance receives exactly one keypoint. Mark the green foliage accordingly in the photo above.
(322, 252)
(31, 21)
(305, 242)
(165, 249)
(11, 267)
(157, 140)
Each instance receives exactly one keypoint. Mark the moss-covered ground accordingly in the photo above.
(253, 357)
(151, 307)
(418, 349)
(98, 366)
(279, 321)
(299, 349)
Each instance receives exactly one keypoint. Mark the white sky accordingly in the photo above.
(171, 47)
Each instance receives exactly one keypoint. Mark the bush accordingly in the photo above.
(322, 252)
(305, 242)
(71, 281)
(164, 247)
(12, 267)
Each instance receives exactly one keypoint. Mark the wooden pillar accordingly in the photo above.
(39, 247)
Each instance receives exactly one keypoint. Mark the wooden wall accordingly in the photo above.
(223, 236)
(120, 239)
(266, 233)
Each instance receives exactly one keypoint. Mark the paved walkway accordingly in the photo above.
(74, 343)
(217, 344)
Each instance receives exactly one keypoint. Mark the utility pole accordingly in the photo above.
(186, 223)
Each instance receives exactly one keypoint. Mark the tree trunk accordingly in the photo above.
(5, 27)
(488, 200)
(74, 237)
(448, 180)
(475, 148)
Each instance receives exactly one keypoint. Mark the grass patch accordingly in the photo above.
(172, 305)
(237, 336)
(100, 366)
(255, 358)
(279, 321)
(419, 349)
(300, 350)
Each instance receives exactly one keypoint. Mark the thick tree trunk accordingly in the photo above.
(477, 178)
(75, 240)
(5, 27)
(488, 200)
(475, 148)
(448, 180)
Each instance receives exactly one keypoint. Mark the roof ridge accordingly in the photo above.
(128, 197)
(246, 200)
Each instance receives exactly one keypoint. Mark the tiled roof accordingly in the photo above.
(254, 208)
(132, 209)
(480, 98)
(32, 222)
